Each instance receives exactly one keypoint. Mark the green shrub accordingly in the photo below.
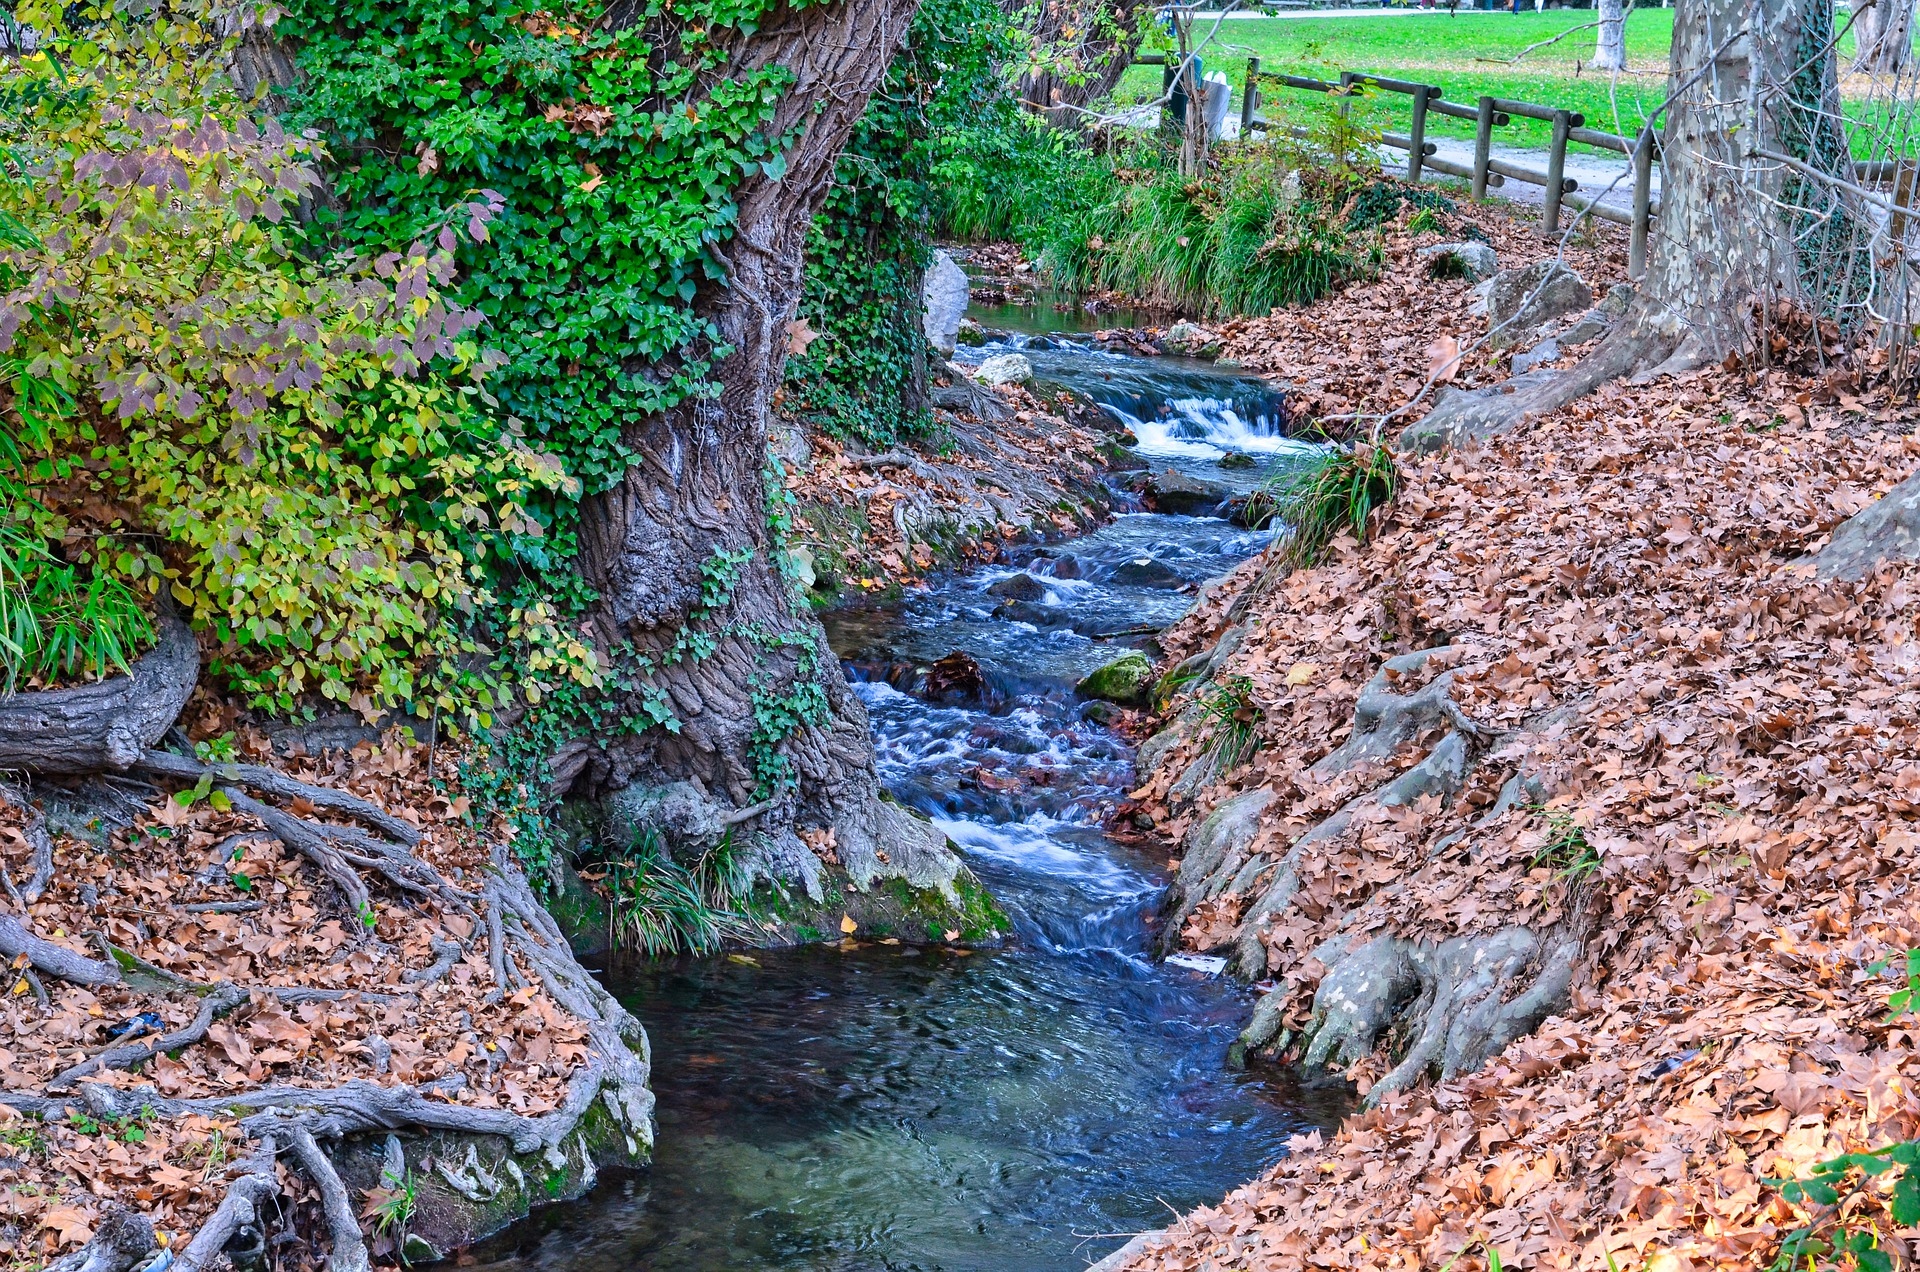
(302, 454)
(1337, 492)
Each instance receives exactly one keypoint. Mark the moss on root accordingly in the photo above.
(891, 909)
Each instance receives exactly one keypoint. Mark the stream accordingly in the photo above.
(876, 1107)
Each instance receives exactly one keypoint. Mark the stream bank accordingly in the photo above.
(872, 1104)
(1577, 708)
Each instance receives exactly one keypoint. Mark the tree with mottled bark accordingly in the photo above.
(1760, 207)
(1883, 37)
(1077, 51)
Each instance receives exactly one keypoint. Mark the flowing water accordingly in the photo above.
(882, 1107)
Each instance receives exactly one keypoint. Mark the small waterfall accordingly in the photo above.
(1176, 407)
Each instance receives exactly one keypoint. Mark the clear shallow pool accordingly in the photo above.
(879, 1107)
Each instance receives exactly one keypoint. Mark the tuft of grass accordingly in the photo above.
(1319, 500)
(1255, 234)
(660, 907)
(1566, 851)
(1231, 720)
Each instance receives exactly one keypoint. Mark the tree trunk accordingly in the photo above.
(767, 736)
(1883, 37)
(1610, 45)
(1753, 212)
(1081, 49)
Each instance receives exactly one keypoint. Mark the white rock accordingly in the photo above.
(944, 292)
(1005, 368)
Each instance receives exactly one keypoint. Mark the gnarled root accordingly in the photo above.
(1640, 344)
(297, 1120)
(1888, 530)
(1467, 999)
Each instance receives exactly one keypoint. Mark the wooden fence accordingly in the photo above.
(1486, 171)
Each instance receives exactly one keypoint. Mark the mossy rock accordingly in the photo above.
(890, 909)
(1126, 680)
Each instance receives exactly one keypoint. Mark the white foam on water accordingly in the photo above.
(1033, 845)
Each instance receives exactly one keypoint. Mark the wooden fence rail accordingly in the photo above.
(1486, 171)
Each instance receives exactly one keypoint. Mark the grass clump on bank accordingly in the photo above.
(1335, 494)
(1262, 229)
(1253, 235)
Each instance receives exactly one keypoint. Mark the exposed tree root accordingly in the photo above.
(105, 726)
(297, 1120)
(38, 840)
(347, 1249)
(216, 1004)
(277, 784)
(1887, 531)
(1638, 345)
(1468, 998)
(1464, 999)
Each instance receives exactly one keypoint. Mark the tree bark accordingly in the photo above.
(1883, 38)
(1753, 212)
(1085, 46)
(682, 552)
(107, 725)
(1610, 43)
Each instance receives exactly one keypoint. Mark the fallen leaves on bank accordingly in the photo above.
(1730, 754)
(1370, 347)
(874, 520)
(204, 895)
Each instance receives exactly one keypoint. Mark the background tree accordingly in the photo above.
(1758, 209)
(1883, 37)
(1076, 52)
(1610, 41)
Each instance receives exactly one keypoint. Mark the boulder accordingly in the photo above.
(1018, 587)
(970, 333)
(1005, 368)
(1521, 301)
(1538, 356)
(957, 680)
(1171, 490)
(1238, 459)
(1190, 340)
(1146, 572)
(944, 293)
(1474, 262)
(1126, 680)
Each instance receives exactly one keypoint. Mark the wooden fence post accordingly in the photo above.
(1416, 153)
(1249, 98)
(1642, 203)
(1482, 148)
(1556, 172)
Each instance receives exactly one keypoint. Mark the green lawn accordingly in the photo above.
(1466, 54)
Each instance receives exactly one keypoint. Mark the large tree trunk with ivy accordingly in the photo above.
(766, 738)
(1752, 209)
